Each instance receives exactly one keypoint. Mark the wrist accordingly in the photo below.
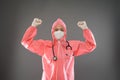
(33, 25)
(84, 28)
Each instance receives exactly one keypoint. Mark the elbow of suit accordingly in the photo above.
(24, 44)
(93, 47)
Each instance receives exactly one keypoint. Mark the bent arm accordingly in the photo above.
(35, 46)
(87, 46)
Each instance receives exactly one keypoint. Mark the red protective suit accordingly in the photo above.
(63, 68)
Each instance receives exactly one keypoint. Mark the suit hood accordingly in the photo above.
(55, 24)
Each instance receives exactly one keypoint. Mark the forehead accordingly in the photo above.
(59, 27)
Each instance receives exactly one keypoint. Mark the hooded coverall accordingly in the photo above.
(63, 68)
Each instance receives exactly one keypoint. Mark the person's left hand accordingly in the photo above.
(82, 24)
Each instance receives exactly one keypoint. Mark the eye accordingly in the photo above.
(62, 29)
(56, 29)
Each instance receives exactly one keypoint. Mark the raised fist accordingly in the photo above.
(36, 22)
(82, 24)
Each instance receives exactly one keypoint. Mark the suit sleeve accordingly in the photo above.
(35, 46)
(87, 46)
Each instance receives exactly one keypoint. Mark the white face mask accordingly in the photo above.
(59, 34)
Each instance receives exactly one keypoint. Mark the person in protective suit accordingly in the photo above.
(58, 54)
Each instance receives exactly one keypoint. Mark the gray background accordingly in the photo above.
(102, 17)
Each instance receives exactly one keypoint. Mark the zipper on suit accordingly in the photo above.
(58, 55)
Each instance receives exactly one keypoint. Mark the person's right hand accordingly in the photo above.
(36, 22)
